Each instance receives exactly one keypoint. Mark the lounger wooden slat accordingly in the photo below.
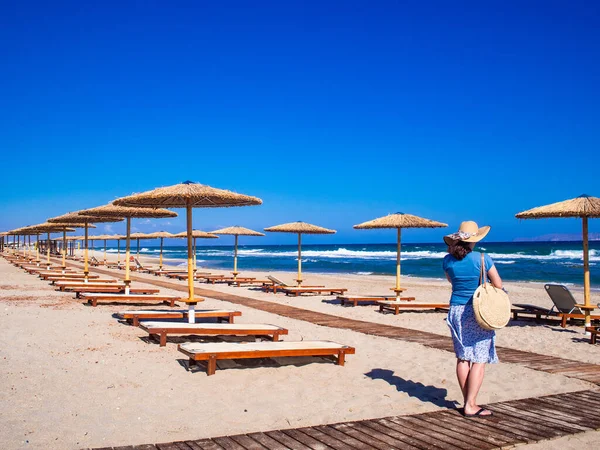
(70, 285)
(296, 291)
(212, 352)
(396, 306)
(134, 317)
(274, 287)
(74, 281)
(163, 329)
(240, 281)
(93, 298)
(224, 279)
(55, 276)
(184, 275)
(355, 300)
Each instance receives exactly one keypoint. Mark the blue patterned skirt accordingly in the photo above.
(471, 342)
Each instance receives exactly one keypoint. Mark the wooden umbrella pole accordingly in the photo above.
(299, 280)
(37, 249)
(64, 251)
(48, 251)
(195, 267)
(160, 258)
(28, 246)
(586, 273)
(137, 253)
(118, 252)
(127, 249)
(399, 243)
(104, 251)
(235, 254)
(86, 267)
(190, 265)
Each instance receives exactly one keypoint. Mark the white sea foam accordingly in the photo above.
(505, 262)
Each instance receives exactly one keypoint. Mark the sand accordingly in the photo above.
(73, 376)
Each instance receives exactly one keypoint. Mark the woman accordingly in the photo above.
(473, 345)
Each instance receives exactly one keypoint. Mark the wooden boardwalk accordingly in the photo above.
(515, 422)
(551, 364)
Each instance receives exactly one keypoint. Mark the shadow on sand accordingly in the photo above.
(430, 394)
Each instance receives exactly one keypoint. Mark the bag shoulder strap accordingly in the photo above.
(482, 274)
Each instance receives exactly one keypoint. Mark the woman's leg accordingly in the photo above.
(462, 373)
(474, 382)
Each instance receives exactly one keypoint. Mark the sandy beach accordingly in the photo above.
(75, 377)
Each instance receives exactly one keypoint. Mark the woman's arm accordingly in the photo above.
(494, 277)
(448, 277)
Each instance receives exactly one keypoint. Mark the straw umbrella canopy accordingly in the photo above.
(584, 207)
(399, 221)
(299, 228)
(189, 195)
(236, 231)
(76, 218)
(48, 228)
(112, 210)
(160, 235)
(196, 234)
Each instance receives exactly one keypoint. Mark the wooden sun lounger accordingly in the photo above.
(63, 284)
(594, 332)
(164, 271)
(163, 329)
(355, 300)
(213, 352)
(41, 268)
(224, 279)
(93, 298)
(74, 277)
(273, 287)
(396, 306)
(111, 289)
(222, 315)
(240, 281)
(184, 275)
(296, 291)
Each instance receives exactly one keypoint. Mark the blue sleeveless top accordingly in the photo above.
(464, 275)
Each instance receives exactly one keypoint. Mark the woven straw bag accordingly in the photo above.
(491, 305)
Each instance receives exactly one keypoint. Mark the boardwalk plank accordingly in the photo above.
(308, 441)
(247, 442)
(227, 443)
(392, 442)
(445, 433)
(322, 437)
(287, 441)
(347, 428)
(266, 441)
(411, 441)
(419, 435)
(534, 418)
(207, 444)
(326, 429)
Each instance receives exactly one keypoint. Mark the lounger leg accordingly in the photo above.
(275, 337)
(136, 321)
(563, 322)
(593, 338)
(95, 302)
(230, 318)
(163, 338)
(341, 358)
(211, 365)
(396, 310)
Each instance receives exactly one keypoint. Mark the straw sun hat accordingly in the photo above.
(468, 231)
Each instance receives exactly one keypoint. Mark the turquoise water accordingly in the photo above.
(523, 261)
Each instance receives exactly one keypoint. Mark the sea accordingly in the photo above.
(560, 262)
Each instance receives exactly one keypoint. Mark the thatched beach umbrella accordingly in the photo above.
(189, 195)
(299, 228)
(399, 221)
(160, 235)
(75, 218)
(49, 228)
(196, 234)
(584, 207)
(111, 210)
(236, 231)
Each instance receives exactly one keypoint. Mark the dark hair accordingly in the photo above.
(459, 249)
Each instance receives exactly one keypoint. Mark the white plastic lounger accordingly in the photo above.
(134, 317)
(162, 329)
(212, 352)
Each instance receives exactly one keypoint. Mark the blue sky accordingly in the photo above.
(332, 112)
